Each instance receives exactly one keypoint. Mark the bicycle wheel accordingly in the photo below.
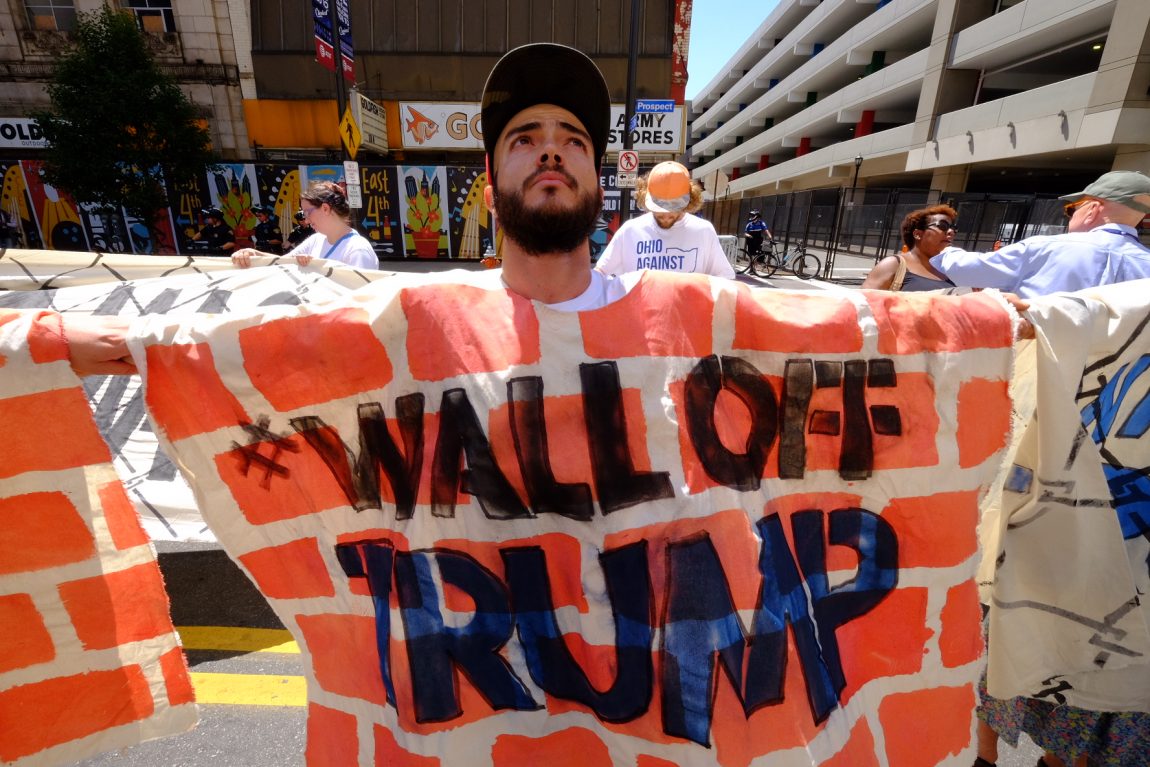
(765, 265)
(804, 265)
(742, 261)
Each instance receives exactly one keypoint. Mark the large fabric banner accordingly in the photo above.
(1069, 619)
(132, 286)
(702, 525)
(89, 661)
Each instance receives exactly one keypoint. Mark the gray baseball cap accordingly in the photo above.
(1126, 187)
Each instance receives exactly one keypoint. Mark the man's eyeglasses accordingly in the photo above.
(1070, 207)
(942, 226)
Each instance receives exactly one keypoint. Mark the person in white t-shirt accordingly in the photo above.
(325, 208)
(668, 237)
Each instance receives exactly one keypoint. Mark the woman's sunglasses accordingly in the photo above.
(942, 226)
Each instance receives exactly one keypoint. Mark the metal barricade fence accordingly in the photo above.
(864, 225)
(730, 244)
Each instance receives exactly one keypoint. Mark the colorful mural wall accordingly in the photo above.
(409, 211)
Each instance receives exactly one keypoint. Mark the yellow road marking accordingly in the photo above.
(227, 638)
(249, 689)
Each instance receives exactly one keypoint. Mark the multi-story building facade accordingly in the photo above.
(264, 77)
(195, 41)
(1023, 96)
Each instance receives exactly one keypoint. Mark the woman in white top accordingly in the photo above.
(325, 208)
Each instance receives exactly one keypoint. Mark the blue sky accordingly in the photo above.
(718, 29)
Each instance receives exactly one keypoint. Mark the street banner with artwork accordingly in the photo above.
(89, 661)
(704, 524)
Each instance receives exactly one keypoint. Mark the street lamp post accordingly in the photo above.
(858, 164)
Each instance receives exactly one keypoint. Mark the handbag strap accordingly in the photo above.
(899, 275)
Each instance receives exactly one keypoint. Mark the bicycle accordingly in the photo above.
(797, 260)
(743, 258)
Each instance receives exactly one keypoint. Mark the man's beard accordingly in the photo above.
(548, 228)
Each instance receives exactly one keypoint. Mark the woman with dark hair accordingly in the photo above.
(325, 208)
(926, 233)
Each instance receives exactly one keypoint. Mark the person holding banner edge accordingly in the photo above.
(326, 209)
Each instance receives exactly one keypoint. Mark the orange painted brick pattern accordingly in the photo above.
(573, 747)
(947, 710)
(930, 537)
(314, 358)
(118, 607)
(564, 567)
(507, 336)
(914, 323)
(961, 639)
(645, 760)
(728, 531)
(983, 420)
(39, 530)
(46, 339)
(859, 750)
(388, 752)
(56, 432)
(44, 714)
(299, 484)
(120, 515)
(185, 374)
(796, 323)
(176, 679)
(888, 641)
(788, 724)
(24, 639)
(631, 326)
(293, 570)
(334, 639)
(569, 454)
(332, 740)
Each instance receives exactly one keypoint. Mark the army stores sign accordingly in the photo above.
(445, 125)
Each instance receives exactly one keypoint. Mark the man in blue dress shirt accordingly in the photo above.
(1100, 247)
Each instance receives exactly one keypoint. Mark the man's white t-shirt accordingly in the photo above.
(353, 250)
(602, 290)
(689, 245)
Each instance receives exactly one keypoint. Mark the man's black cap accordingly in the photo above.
(546, 73)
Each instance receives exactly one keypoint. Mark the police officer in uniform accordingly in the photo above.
(215, 236)
(267, 235)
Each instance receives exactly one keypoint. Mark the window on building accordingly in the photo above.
(51, 14)
(153, 15)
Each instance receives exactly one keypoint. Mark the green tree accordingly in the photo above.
(118, 123)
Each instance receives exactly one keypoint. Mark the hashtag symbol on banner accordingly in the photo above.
(251, 455)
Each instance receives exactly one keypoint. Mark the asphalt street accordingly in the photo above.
(247, 670)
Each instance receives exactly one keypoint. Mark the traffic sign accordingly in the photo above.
(627, 169)
(349, 133)
(351, 172)
(354, 196)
